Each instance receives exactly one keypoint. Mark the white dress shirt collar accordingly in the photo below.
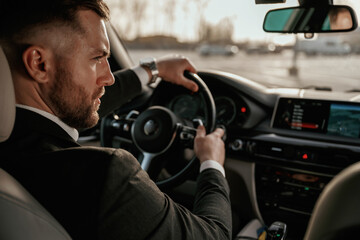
(74, 134)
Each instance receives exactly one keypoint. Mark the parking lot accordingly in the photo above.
(341, 73)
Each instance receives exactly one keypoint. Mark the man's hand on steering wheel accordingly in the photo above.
(211, 146)
(157, 131)
(172, 68)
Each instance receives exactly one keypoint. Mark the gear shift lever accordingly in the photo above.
(277, 231)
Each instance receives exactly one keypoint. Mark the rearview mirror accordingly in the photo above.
(310, 19)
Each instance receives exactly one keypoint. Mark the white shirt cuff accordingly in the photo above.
(142, 74)
(212, 164)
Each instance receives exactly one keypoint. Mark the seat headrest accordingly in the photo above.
(336, 214)
(7, 99)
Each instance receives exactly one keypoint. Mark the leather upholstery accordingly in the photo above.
(22, 217)
(7, 99)
(337, 213)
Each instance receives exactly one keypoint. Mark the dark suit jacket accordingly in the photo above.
(102, 193)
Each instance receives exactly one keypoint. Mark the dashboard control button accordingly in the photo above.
(237, 145)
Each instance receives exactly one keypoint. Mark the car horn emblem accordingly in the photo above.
(150, 127)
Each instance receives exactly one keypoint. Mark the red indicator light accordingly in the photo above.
(305, 156)
(243, 109)
(305, 125)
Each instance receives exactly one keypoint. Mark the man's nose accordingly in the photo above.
(106, 77)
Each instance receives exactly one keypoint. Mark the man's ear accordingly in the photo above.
(36, 61)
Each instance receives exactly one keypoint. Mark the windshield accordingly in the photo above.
(227, 35)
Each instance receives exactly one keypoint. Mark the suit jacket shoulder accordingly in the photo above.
(102, 193)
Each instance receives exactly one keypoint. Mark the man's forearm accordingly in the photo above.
(212, 202)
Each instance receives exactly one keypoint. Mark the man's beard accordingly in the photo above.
(71, 103)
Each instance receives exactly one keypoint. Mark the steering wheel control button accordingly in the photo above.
(115, 124)
(151, 127)
(186, 136)
(197, 122)
(126, 127)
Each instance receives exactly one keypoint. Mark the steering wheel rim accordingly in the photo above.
(139, 125)
(210, 127)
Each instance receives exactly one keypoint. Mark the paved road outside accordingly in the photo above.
(341, 73)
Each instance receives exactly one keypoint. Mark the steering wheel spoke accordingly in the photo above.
(151, 163)
(147, 160)
(187, 136)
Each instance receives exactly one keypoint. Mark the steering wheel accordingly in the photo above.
(157, 131)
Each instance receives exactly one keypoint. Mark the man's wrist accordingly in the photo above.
(142, 74)
(212, 164)
(150, 65)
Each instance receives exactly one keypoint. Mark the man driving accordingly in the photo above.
(57, 51)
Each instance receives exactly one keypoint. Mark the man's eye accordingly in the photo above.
(98, 59)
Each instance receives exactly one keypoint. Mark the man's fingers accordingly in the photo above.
(188, 83)
(201, 132)
(191, 67)
(219, 132)
(191, 85)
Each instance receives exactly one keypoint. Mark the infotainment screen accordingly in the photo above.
(344, 120)
(326, 117)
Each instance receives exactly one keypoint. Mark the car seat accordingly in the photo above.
(336, 214)
(21, 216)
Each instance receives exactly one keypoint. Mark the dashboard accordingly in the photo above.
(283, 146)
(296, 141)
(230, 108)
(234, 111)
(190, 107)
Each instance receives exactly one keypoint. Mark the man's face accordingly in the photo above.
(80, 77)
(343, 20)
(74, 105)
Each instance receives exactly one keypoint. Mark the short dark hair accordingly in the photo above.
(19, 15)
(18, 19)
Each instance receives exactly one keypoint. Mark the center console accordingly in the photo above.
(309, 143)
